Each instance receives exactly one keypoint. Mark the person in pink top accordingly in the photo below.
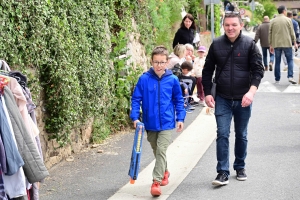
(197, 72)
(176, 56)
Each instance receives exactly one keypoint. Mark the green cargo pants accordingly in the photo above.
(159, 142)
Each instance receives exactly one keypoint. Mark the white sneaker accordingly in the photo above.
(276, 82)
(291, 80)
(285, 68)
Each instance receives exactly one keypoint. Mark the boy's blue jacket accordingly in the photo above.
(160, 98)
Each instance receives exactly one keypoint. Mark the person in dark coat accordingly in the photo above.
(186, 33)
(237, 84)
(228, 6)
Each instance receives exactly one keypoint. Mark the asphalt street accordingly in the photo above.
(271, 165)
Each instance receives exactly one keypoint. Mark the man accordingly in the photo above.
(295, 26)
(262, 34)
(281, 37)
(237, 83)
(295, 17)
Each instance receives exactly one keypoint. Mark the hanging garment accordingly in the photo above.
(21, 102)
(34, 167)
(15, 185)
(13, 158)
(2, 157)
(3, 195)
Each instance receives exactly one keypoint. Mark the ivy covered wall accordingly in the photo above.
(72, 53)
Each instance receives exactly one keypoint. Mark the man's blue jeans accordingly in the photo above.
(288, 52)
(224, 111)
(265, 51)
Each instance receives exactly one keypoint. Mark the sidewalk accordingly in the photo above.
(183, 154)
(93, 175)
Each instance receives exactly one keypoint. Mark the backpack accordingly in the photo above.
(176, 70)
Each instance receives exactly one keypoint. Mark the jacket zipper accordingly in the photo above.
(159, 104)
(232, 72)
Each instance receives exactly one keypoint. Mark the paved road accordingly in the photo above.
(272, 163)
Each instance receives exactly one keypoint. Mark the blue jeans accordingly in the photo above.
(224, 111)
(288, 52)
(265, 55)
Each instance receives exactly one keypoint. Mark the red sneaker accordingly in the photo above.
(165, 180)
(155, 189)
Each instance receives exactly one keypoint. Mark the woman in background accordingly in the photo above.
(176, 56)
(186, 33)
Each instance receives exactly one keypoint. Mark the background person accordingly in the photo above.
(281, 37)
(236, 87)
(186, 76)
(186, 33)
(262, 34)
(189, 53)
(176, 57)
(197, 72)
(296, 29)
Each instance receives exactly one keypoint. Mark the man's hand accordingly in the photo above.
(296, 46)
(271, 49)
(179, 126)
(248, 97)
(135, 122)
(209, 100)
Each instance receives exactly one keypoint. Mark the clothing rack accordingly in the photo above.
(21, 160)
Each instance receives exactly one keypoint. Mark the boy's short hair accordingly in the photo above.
(160, 50)
(187, 65)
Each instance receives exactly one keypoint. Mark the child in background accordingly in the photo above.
(158, 92)
(197, 72)
(185, 77)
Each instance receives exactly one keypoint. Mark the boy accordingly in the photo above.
(197, 72)
(185, 77)
(158, 92)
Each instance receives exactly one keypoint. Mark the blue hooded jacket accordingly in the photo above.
(159, 98)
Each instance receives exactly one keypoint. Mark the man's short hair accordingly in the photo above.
(233, 14)
(187, 65)
(280, 9)
(289, 14)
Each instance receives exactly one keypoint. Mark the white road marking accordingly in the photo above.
(267, 87)
(183, 155)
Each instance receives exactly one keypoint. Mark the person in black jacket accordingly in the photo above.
(237, 83)
(186, 33)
